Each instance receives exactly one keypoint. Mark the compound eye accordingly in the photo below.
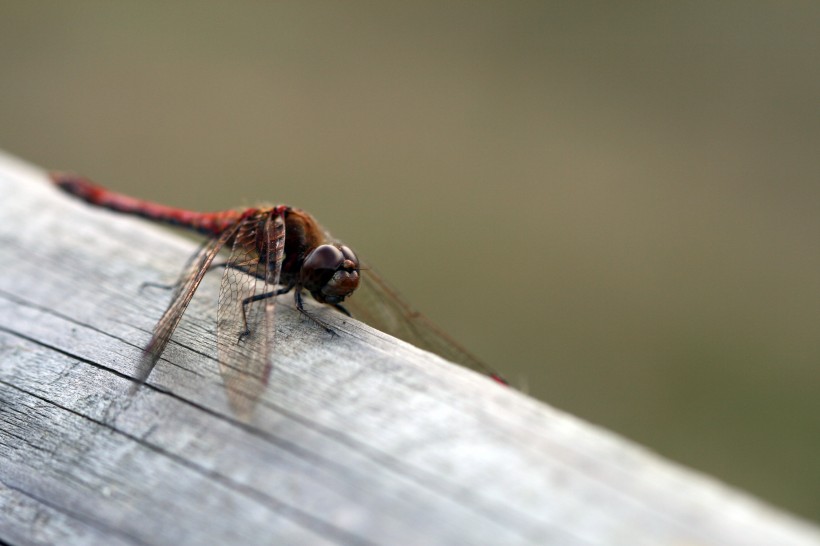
(323, 257)
(350, 255)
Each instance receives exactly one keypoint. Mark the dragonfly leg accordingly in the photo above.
(164, 286)
(297, 295)
(342, 308)
(160, 285)
(257, 297)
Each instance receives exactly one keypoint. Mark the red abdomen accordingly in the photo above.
(209, 223)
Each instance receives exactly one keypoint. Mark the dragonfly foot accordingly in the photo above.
(321, 324)
(159, 285)
(300, 306)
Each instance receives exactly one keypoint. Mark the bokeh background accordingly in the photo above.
(617, 205)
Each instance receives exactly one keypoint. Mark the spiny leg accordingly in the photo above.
(297, 296)
(186, 267)
(342, 308)
(258, 297)
(152, 284)
(164, 286)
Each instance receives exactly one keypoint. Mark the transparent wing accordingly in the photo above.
(186, 286)
(245, 317)
(381, 306)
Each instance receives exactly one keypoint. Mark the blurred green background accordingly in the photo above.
(616, 205)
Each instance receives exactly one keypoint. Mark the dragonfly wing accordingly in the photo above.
(245, 315)
(381, 306)
(191, 277)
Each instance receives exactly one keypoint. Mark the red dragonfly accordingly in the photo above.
(272, 251)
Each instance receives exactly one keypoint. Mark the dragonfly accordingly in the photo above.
(271, 251)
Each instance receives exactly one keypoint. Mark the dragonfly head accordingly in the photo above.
(330, 273)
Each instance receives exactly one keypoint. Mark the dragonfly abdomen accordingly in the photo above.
(207, 223)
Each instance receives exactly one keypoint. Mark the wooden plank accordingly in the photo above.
(358, 439)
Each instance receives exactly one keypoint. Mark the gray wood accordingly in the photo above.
(359, 438)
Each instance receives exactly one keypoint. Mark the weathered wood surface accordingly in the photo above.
(359, 439)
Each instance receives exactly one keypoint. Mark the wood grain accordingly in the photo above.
(358, 439)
